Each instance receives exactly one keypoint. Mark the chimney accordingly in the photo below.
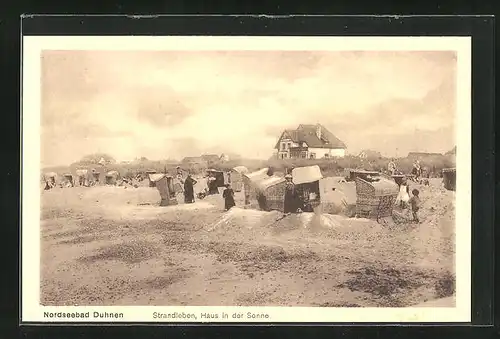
(318, 131)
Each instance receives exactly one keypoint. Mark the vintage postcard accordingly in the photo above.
(246, 179)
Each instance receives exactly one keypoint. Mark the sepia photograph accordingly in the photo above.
(250, 178)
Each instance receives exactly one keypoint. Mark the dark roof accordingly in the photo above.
(307, 134)
(210, 157)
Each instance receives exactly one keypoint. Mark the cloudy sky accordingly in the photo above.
(171, 104)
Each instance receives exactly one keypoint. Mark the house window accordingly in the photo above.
(327, 155)
(289, 144)
(313, 156)
(283, 146)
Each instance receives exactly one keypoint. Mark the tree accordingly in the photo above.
(96, 157)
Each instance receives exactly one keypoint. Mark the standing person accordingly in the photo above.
(180, 181)
(212, 184)
(290, 201)
(392, 167)
(415, 204)
(189, 189)
(404, 194)
(416, 171)
(179, 175)
(228, 196)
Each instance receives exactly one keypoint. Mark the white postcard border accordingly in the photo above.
(32, 311)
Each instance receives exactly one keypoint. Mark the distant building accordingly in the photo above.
(210, 159)
(309, 142)
(194, 161)
(369, 154)
(224, 157)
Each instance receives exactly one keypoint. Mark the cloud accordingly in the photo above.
(159, 106)
(176, 104)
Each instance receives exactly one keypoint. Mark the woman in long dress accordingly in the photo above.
(290, 201)
(228, 196)
(189, 189)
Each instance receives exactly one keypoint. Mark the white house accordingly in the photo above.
(309, 142)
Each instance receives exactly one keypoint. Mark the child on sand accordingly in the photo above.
(403, 196)
(415, 204)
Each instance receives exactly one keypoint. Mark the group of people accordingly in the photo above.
(189, 183)
(405, 201)
(416, 169)
(292, 200)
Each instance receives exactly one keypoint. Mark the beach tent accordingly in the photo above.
(450, 178)
(49, 179)
(307, 174)
(96, 177)
(306, 180)
(220, 181)
(271, 193)
(81, 174)
(249, 183)
(352, 174)
(68, 178)
(165, 185)
(235, 177)
(111, 177)
(149, 173)
(219, 177)
(375, 197)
